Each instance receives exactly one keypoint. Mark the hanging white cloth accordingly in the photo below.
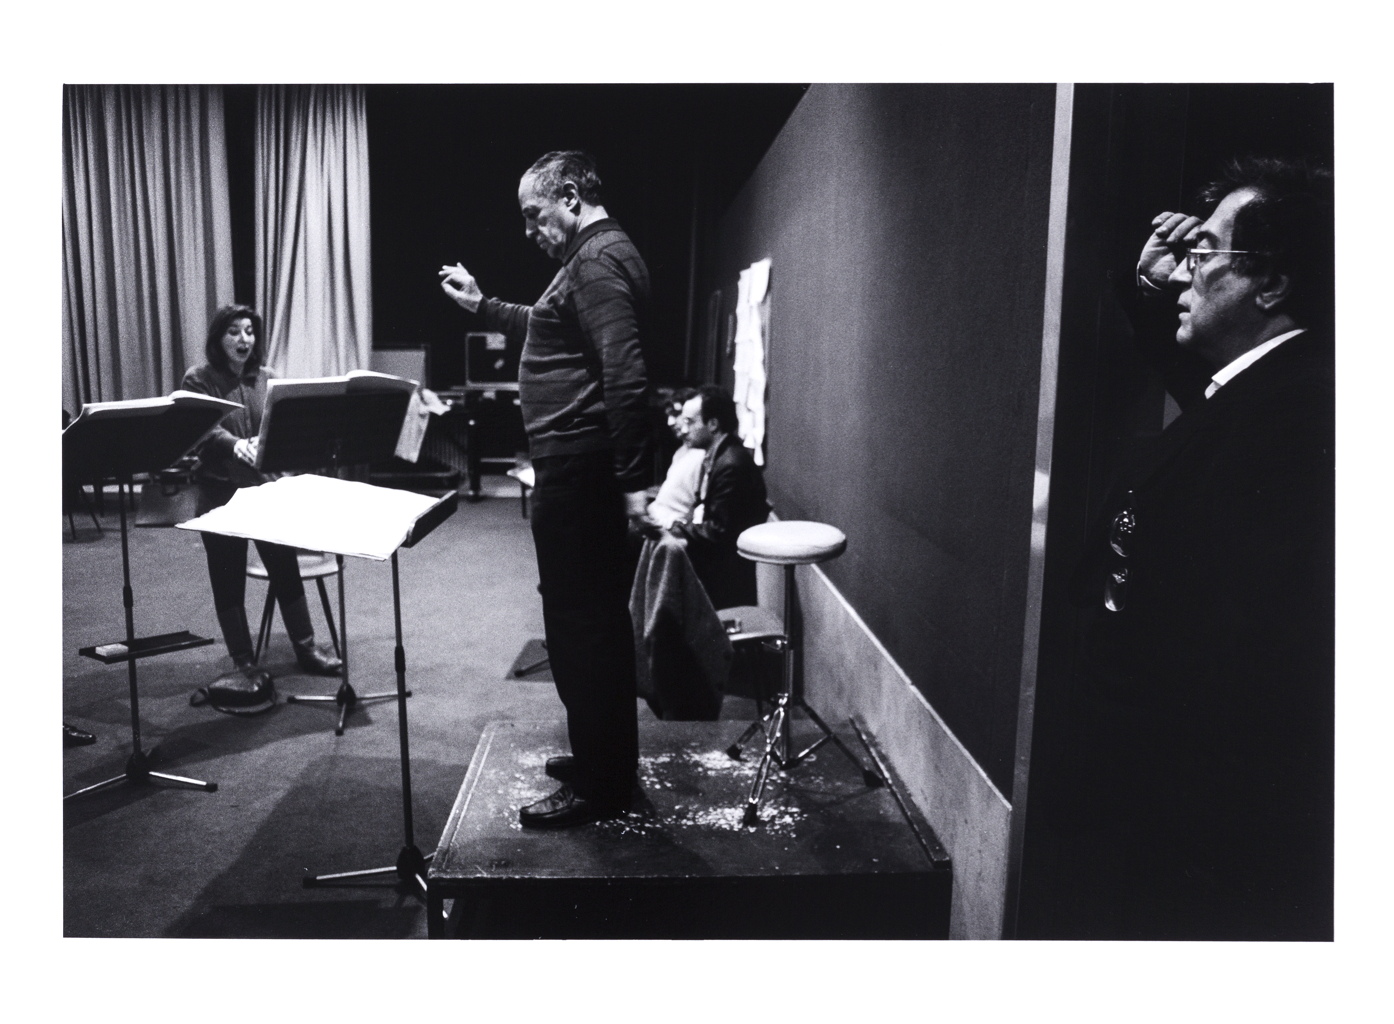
(752, 333)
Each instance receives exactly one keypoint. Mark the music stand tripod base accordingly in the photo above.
(345, 698)
(138, 772)
(410, 869)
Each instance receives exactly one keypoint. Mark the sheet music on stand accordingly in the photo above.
(320, 513)
(117, 439)
(315, 423)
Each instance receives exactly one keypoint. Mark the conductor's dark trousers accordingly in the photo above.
(579, 529)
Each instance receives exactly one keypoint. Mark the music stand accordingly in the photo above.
(327, 424)
(318, 513)
(411, 864)
(116, 440)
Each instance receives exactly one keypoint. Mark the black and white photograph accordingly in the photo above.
(778, 529)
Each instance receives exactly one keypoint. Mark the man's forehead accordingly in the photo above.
(1221, 223)
(530, 190)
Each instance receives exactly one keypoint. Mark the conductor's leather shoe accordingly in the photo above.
(565, 808)
(317, 660)
(74, 737)
(562, 768)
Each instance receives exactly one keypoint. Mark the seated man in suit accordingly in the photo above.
(730, 498)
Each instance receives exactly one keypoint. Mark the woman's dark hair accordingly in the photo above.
(1289, 225)
(213, 348)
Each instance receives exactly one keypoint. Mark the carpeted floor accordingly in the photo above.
(292, 798)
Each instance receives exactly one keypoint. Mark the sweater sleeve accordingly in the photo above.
(508, 318)
(607, 307)
(216, 448)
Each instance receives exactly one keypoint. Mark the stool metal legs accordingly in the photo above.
(777, 725)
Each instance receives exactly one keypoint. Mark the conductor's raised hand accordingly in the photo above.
(1172, 234)
(460, 285)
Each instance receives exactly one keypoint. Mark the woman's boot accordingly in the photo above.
(316, 660)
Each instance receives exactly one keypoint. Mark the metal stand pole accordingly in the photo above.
(411, 865)
(138, 764)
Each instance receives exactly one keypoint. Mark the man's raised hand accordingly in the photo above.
(1172, 234)
(460, 285)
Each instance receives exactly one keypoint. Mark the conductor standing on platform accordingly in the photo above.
(583, 388)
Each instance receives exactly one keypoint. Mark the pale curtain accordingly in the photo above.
(313, 242)
(147, 246)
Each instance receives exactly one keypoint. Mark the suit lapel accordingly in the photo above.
(704, 478)
(1163, 449)
(1288, 357)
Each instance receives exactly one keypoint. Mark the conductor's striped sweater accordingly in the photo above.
(581, 379)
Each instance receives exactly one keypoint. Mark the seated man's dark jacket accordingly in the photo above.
(1216, 679)
(734, 502)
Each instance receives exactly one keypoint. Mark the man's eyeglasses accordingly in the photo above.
(1195, 257)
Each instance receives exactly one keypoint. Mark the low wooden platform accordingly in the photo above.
(830, 857)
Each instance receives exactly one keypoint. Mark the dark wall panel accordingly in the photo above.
(907, 229)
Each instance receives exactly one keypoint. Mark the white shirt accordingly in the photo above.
(678, 493)
(1233, 369)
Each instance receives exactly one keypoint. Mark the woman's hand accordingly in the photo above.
(246, 450)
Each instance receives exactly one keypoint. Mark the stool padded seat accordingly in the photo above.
(314, 565)
(795, 542)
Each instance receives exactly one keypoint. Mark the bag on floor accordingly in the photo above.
(239, 692)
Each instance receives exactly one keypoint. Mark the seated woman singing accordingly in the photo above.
(235, 351)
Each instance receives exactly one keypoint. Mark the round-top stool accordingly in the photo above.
(790, 544)
(796, 542)
(314, 565)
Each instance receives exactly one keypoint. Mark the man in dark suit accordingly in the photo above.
(1211, 578)
(730, 499)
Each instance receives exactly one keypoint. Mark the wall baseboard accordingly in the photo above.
(848, 672)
